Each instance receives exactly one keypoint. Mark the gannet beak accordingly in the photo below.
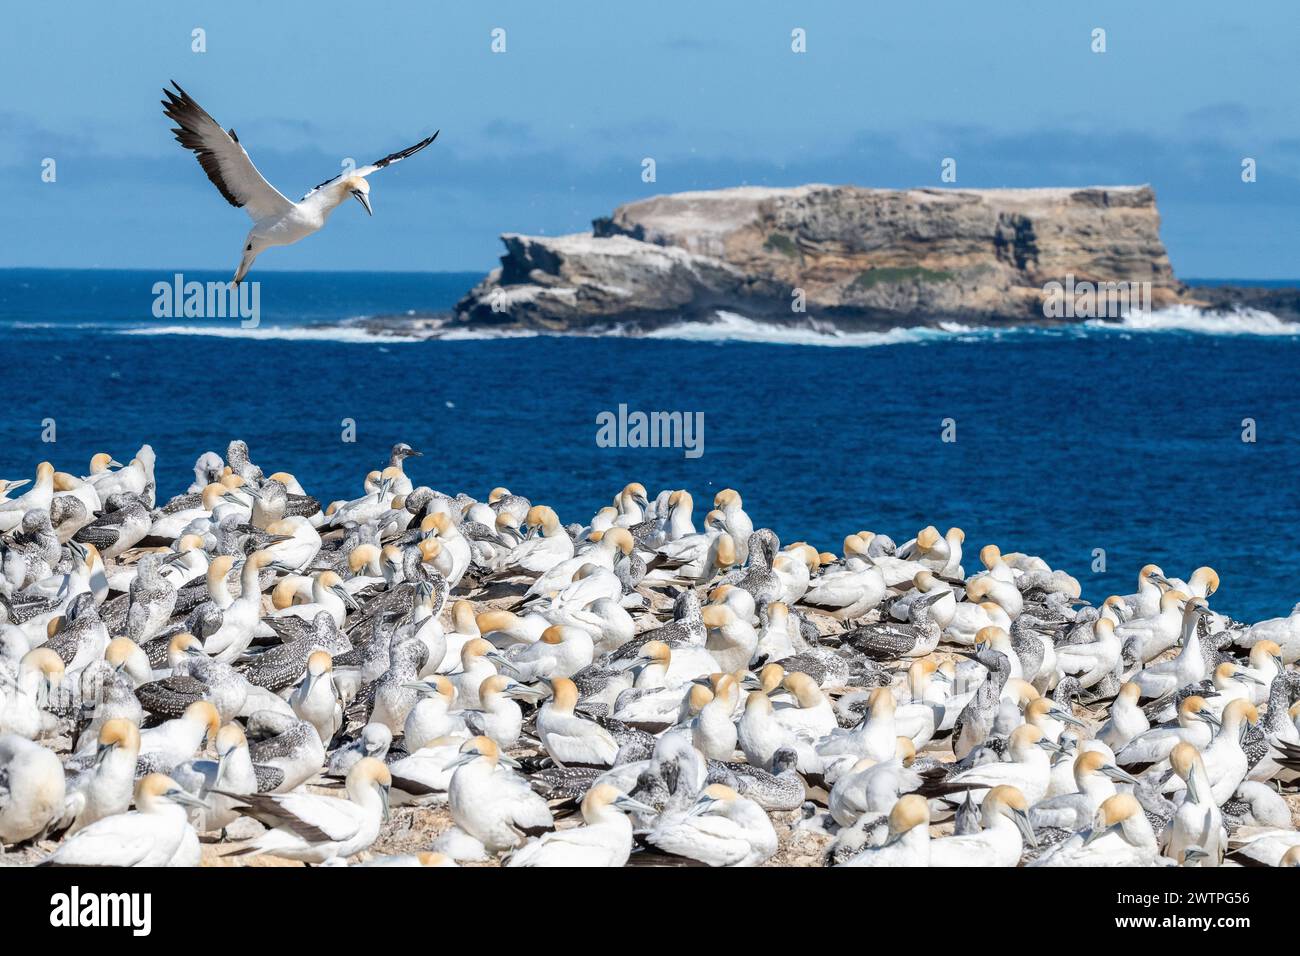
(11, 485)
(1210, 719)
(1021, 818)
(363, 199)
(1095, 834)
(101, 752)
(509, 761)
(515, 689)
(419, 686)
(308, 680)
(1192, 854)
(624, 802)
(345, 597)
(1192, 791)
(383, 798)
(185, 799)
(502, 663)
(1119, 775)
(415, 454)
(1068, 718)
(1251, 678)
(461, 761)
(114, 463)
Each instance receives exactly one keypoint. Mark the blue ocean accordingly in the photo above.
(1090, 445)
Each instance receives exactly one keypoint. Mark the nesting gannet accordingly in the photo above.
(313, 829)
(499, 716)
(276, 220)
(604, 840)
(232, 772)
(1120, 835)
(907, 842)
(721, 828)
(106, 787)
(156, 833)
(1226, 762)
(316, 698)
(713, 731)
(1127, 720)
(1283, 631)
(1006, 829)
(31, 788)
(491, 804)
(431, 717)
(1197, 821)
(175, 741)
(1188, 667)
(1152, 636)
(21, 706)
(569, 737)
(873, 787)
(40, 495)
(1026, 767)
(1195, 725)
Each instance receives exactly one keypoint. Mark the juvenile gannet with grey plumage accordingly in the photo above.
(312, 828)
(156, 833)
(276, 220)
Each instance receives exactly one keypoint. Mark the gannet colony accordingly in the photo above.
(238, 675)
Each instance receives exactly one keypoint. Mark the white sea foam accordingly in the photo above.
(349, 334)
(730, 327)
(1188, 318)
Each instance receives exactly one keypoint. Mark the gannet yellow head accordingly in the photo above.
(490, 621)
(44, 661)
(564, 694)
(1116, 810)
(553, 635)
(202, 711)
(362, 557)
(698, 697)
(656, 651)
(990, 555)
(120, 732)
(804, 688)
(218, 568)
(957, 533)
(120, 650)
(928, 537)
(1088, 763)
(1206, 577)
(720, 593)
(619, 538)
(229, 739)
(727, 497)
(1130, 692)
(726, 551)
(880, 702)
(319, 663)
(474, 649)
(717, 615)
(905, 750)
(910, 811)
(484, 747)
(1239, 710)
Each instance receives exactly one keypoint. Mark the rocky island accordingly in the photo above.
(855, 257)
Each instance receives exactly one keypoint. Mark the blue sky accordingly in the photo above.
(551, 133)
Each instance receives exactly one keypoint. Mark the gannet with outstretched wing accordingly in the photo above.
(276, 220)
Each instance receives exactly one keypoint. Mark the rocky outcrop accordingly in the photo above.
(858, 257)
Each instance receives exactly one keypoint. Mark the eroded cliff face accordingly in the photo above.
(855, 256)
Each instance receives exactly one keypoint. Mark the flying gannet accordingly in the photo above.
(276, 220)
